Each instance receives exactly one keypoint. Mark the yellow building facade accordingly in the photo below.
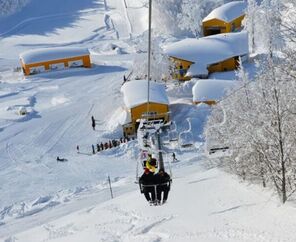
(226, 65)
(217, 26)
(225, 19)
(157, 111)
(44, 60)
(181, 68)
(197, 58)
(136, 104)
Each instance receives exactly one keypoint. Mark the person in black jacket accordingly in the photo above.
(93, 122)
(163, 181)
(147, 180)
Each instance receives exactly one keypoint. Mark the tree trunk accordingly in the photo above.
(281, 149)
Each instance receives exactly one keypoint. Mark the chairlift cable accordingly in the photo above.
(149, 57)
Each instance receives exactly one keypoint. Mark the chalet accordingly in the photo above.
(215, 53)
(47, 59)
(225, 19)
(211, 90)
(135, 96)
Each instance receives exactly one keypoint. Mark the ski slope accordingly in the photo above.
(45, 200)
(204, 205)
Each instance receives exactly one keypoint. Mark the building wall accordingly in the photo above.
(129, 130)
(181, 68)
(227, 65)
(161, 111)
(209, 102)
(236, 24)
(46, 65)
(216, 26)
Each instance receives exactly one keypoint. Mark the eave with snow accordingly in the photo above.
(211, 91)
(225, 19)
(199, 57)
(46, 59)
(135, 97)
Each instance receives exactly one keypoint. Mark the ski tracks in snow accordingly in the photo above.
(122, 24)
(28, 21)
(131, 226)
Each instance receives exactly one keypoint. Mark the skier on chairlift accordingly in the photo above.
(163, 181)
(151, 164)
(146, 182)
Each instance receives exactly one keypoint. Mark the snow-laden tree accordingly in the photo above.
(270, 25)
(160, 64)
(164, 15)
(258, 119)
(193, 12)
(259, 125)
(289, 23)
(251, 21)
(8, 7)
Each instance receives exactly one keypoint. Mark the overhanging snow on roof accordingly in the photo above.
(211, 49)
(197, 70)
(211, 89)
(135, 93)
(47, 54)
(228, 12)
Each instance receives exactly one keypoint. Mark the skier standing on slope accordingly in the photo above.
(93, 122)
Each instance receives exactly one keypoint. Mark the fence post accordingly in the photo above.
(110, 186)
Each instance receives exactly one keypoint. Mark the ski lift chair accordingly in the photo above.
(165, 189)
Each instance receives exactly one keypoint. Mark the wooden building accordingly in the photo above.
(215, 53)
(181, 67)
(135, 96)
(211, 91)
(225, 19)
(47, 59)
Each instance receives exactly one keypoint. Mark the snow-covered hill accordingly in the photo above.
(45, 200)
(204, 205)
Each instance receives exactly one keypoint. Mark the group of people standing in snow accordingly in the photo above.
(106, 145)
(154, 186)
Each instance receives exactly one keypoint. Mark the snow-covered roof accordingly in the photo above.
(211, 49)
(136, 93)
(228, 11)
(211, 89)
(196, 70)
(46, 54)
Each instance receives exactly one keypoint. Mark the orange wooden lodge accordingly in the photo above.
(135, 98)
(48, 59)
(225, 19)
(211, 91)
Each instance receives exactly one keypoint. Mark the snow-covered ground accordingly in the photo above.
(45, 200)
(204, 205)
